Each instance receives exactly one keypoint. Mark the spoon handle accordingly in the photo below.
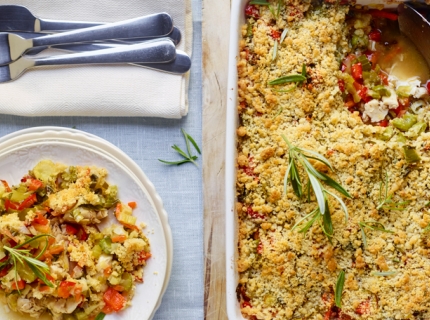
(148, 26)
(47, 25)
(152, 52)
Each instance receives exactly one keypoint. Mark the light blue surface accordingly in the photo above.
(145, 140)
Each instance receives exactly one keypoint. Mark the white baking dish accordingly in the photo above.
(237, 20)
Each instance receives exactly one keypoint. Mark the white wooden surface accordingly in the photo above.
(216, 22)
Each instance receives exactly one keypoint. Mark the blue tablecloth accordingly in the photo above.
(145, 140)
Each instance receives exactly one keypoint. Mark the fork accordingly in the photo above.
(147, 52)
(13, 46)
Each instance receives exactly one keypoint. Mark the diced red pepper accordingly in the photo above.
(383, 14)
(428, 86)
(363, 308)
(5, 271)
(383, 123)
(11, 205)
(114, 299)
(40, 219)
(81, 234)
(18, 285)
(132, 204)
(246, 304)
(28, 202)
(6, 185)
(375, 35)
(34, 184)
(275, 34)
(362, 92)
(71, 230)
(384, 78)
(372, 56)
(143, 256)
(65, 288)
(357, 71)
(260, 248)
(252, 11)
(253, 214)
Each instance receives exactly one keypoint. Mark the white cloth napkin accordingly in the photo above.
(101, 90)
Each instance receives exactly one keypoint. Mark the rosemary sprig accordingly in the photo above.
(339, 289)
(368, 224)
(266, 3)
(17, 255)
(301, 156)
(188, 157)
(385, 199)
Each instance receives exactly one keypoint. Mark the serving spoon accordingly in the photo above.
(13, 46)
(416, 27)
(146, 52)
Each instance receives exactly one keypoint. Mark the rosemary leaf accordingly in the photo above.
(192, 141)
(384, 273)
(342, 204)
(329, 181)
(100, 316)
(319, 194)
(260, 2)
(178, 150)
(316, 156)
(363, 235)
(385, 201)
(41, 275)
(287, 79)
(311, 168)
(188, 156)
(283, 35)
(327, 225)
(177, 162)
(304, 73)
(31, 240)
(312, 214)
(339, 288)
(368, 224)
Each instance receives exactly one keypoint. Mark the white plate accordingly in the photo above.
(22, 150)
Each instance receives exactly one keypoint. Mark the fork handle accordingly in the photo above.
(47, 25)
(153, 52)
(155, 25)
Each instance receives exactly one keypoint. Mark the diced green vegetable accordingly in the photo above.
(382, 90)
(19, 194)
(249, 30)
(404, 123)
(80, 315)
(371, 78)
(401, 138)
(349, 86)
(411, 154)
(114, 280)
(404, 91)
(46, 170)
(365, 63)
(100, 316)
(25, 272)
(97, 251)
(359, 41)
(417, 129)
(387, 133)
(126, 219)
(126, 281)
(106, 245)
(373, 94)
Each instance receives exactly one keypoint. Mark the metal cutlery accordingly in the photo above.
(19, 18)
(13, 46)
(180, 65)
(149, 52)
(175, 36)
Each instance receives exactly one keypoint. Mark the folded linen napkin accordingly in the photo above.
(120, 90)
